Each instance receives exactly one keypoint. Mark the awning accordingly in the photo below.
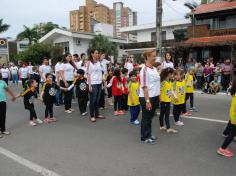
(211, 41)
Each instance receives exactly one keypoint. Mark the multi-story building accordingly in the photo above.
(84, 19)
(213, 33)
(123, 17)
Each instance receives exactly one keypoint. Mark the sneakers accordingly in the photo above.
(116, 113)
(52, 119)
(93, 119)
(225, 152)
(163, 128)
(173, 131)
(47, 120)
(68, 111)
(193, 109)
(136, 122)
(6, 133)
(32, 123)
(84, 114)
(179, 123)
(153, 138)
(149, 141)
(100, 117)
(121, 112)
(187, 114)
(72, 110)
(38, 121)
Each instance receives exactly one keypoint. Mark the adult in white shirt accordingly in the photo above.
(167, 63)
(94, 71)
(129, 64)
(68, 76)
(58, 71)
(14, 74)
(44, 69)
(30, 67)
(24, 74)
(149, 95)
(6, 76)
(104, 63)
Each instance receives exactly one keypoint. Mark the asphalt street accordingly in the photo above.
(75, 147)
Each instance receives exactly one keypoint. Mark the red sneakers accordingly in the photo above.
(225, 152)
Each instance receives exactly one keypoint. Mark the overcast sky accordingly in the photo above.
(28, 12)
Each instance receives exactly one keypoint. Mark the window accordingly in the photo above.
(163, 33)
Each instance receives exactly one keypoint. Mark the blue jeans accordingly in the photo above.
(134, 112)
(59, 97)
(15, 79)
(199, 82)
(94, 100)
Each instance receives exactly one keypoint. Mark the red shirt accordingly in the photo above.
(138, 78)
(125, 82)
(116, 87)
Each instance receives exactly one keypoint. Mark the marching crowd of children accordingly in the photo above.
(176, 88)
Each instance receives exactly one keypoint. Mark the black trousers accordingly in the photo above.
(118, 103)
(6, 80)
(188, 95)
(3, 111)
(68, 97)
(102, 99)
(225, 81)
(49, 110)
(124, 102)
(23, 82)
(33, 114)
(230, 137)
(147, 116)
(177, 109)
(165, 114)
(82, 104)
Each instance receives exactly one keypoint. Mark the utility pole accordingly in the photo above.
(159, 28)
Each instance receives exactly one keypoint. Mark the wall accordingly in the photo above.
(82, 48)
(144, 36)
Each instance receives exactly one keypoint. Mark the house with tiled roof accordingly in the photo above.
(213, 32)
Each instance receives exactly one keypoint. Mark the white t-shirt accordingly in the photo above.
(24, 72)
(104, 64)
(95, 72)
(151, 79)
(78, 64)
(58, 67)
(44, 69)
(129, 66)
(14, 70)
(5, 72)
(167, 65)
(68, 71)
(30, 67)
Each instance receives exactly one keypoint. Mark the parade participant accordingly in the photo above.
(95, 78)
(126, 91)
(3, 105)
(35, 76)
(109, 89)
(29, 94)
(14, 73)
(129, 63)
(117, 89)
(232, 130)
(48, 95)
(168, 61)
(58, 68)
(149, 95)
(179, 91)
(133, 98)
(6, 76)
(67, 75)
(30, 67)
(24, 74)
(44, 69)
(165, 99)
(189, 79)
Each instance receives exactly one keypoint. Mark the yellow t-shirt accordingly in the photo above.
(179, 89)
(189, 83)
(166, 91)
(134, 92)
(232, 113)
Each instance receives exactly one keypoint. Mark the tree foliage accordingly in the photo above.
(30, 34)
(44, 28)
(103, 44)
(35, 53)
(3, 27)
(180, 34)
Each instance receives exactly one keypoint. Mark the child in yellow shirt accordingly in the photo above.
(179, 99)
(165, 99)
(133, 98)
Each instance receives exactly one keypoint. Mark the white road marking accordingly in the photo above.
(201, 118)
(35, 167)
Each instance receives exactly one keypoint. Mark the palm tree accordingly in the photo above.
(3, 27)
(30, 34)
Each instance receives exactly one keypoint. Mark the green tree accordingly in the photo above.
(180, 34)
(30, 34)
(103, 44)
(35, 53)
(3, 27)
(43, 29)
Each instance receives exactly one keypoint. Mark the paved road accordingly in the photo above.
(111, 147)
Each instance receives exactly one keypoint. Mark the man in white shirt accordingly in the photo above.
(104, 63)
(14, 73)
(44, 69)
(30, 67)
